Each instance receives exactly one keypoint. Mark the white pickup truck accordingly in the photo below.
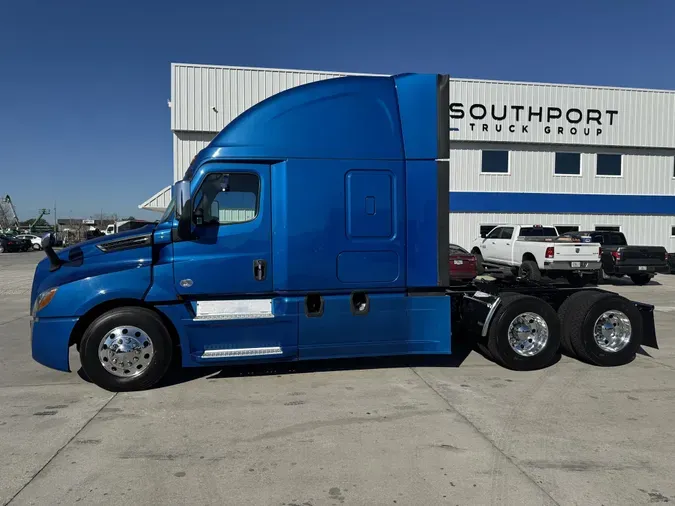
(531, 250)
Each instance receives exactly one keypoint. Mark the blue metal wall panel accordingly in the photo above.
(503, 202)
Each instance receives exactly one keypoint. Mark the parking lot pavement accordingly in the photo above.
(375, 432)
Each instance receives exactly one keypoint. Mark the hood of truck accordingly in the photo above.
(101, 255)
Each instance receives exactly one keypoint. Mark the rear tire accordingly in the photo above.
(567, 308)
(525, 333)
(603, 329)
(126, 349)
(529, 270)
(640, 279)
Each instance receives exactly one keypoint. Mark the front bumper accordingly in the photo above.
(49, 341)
(568, 266)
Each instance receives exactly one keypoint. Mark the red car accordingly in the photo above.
(462, 264)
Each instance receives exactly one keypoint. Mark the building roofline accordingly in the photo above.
(561, 85)
(270, 69)
(456, 79)
(146, 204)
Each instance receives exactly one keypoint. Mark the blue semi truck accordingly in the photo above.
(314, 226)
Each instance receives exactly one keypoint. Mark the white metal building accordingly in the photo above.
(576, 157)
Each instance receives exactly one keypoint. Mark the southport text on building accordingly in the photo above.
(520, 118)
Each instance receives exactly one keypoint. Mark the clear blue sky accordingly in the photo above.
(84, 121)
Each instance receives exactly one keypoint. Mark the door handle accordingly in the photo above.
(259, 270)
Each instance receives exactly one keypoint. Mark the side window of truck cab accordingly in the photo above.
(226, 199)
(495, 233)
(507, 233)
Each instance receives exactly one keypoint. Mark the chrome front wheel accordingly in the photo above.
(126, 348)
(126, 351)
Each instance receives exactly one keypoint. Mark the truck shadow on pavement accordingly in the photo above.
(461, 350)
(178, 375)
(625, 281)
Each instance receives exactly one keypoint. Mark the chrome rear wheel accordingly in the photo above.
(528, 334)
(612, 331)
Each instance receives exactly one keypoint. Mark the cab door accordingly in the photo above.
(225, 271)
(230, 253)
(488, 247)
(503, 246)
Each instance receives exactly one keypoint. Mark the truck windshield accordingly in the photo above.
(537, 232)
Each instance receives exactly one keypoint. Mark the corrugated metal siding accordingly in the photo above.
(197, 90)
(533, 171)
(639, 230)
(185, 146)
(644, 118)
(206, 98)
(235, 215)
(159, 201)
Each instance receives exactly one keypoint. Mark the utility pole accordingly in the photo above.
(56, 223)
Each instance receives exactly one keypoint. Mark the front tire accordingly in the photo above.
(603, 328)
(525, 333)
(126, 349)
(480, 268)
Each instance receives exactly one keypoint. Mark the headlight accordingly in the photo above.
(43, 300)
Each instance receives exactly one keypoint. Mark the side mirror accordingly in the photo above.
(198, 216)
(48, 241)
(181, 193)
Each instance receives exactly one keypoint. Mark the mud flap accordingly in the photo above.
(648, 326)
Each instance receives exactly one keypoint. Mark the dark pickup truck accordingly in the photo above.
(640, 263)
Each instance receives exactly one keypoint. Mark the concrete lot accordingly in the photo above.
(376, 432)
